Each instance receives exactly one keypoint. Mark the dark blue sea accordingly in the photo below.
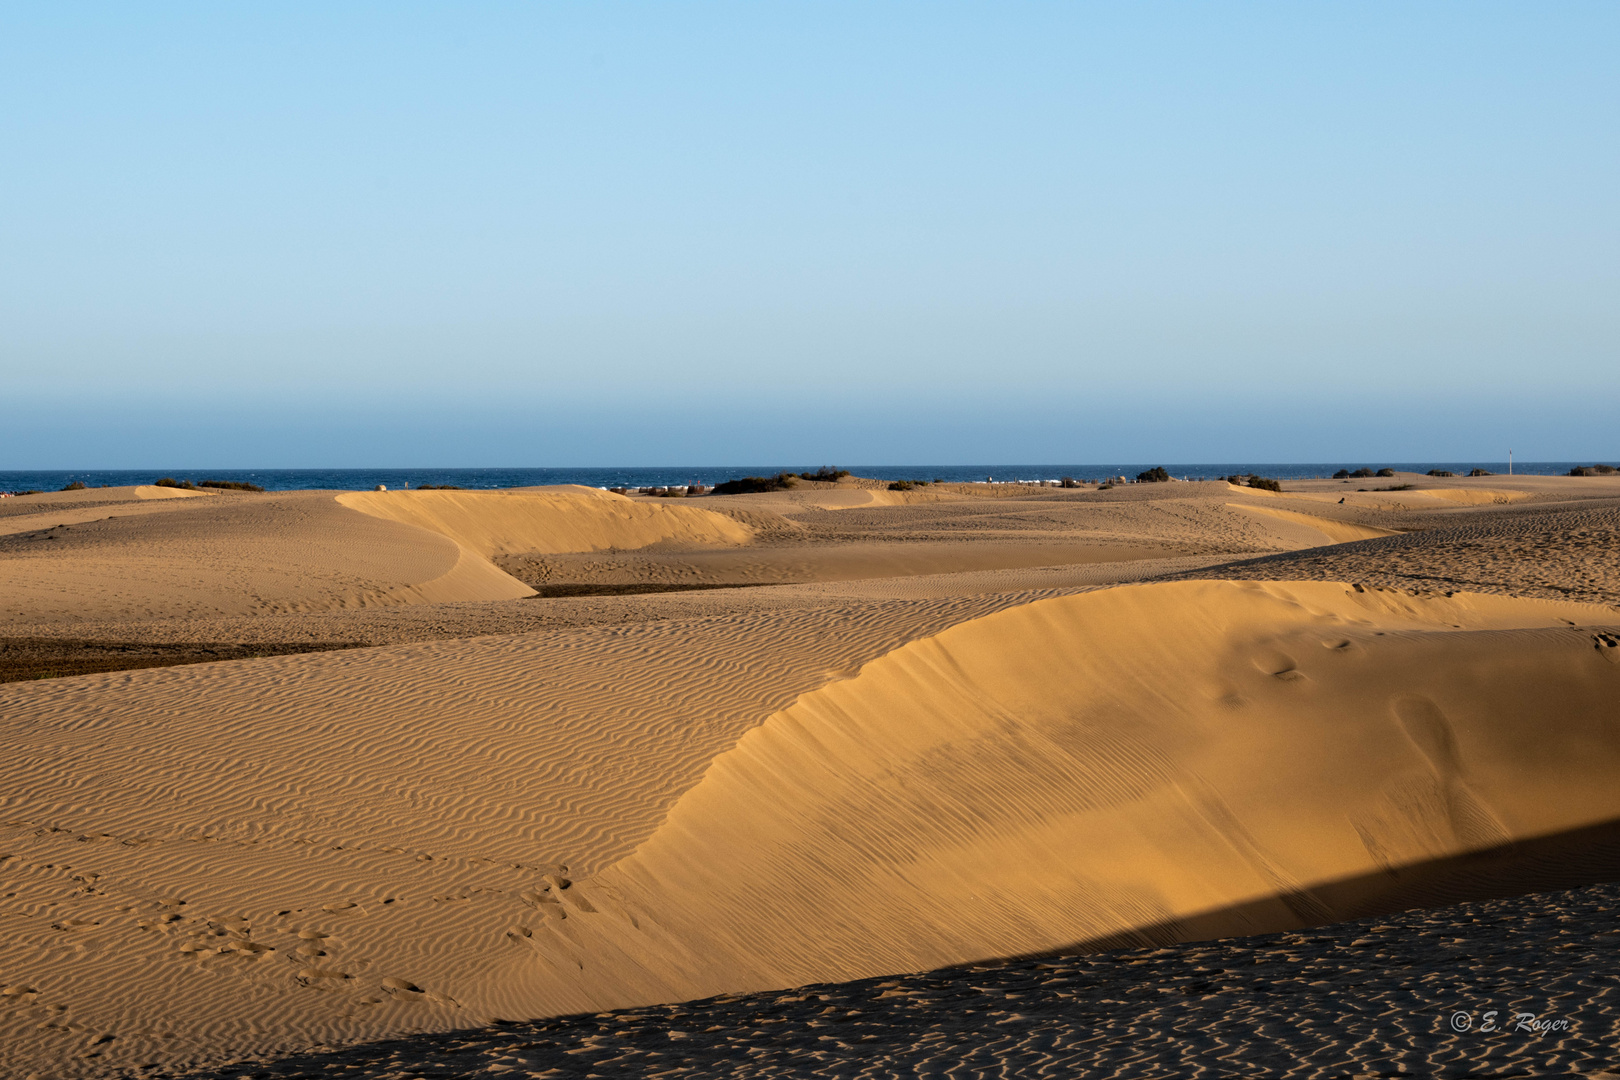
(660, 476)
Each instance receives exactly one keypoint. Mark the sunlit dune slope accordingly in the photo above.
(567, 518)
(261, 554)
(256, 855)
(1330, 531)
(1085, 767)
(310, 551)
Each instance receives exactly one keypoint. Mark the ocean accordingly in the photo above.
(662, 476)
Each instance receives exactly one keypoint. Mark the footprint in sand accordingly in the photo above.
(405, 990)
(1279, 665)
(1608, 647)
(321, 978)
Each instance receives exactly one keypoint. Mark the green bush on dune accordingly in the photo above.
(825, 475)
(229, 485)
(1261, 482)
(171, 482)
(1155, 475)
(76, 485)
(1385, 472)
(754, 485)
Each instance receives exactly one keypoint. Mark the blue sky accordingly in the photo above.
(519, 234)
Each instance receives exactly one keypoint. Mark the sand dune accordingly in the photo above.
(92, 496)
(944, 744)
(259, 854)
(127, 558)
(235, 556)
(1030, 781)
(551, 520)
(1322, 530)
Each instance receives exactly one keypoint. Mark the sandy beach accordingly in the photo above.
(295, 774)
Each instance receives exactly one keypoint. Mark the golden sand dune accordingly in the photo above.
(1320, 530)
(92, 496)
(567, 518)
(1084, 767)
(258, 855)
(30, 513)
(944, 743)
(310, 551)
(236, 556)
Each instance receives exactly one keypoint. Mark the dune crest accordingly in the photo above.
(1335, 532)
(1112, 765)
(550, 520)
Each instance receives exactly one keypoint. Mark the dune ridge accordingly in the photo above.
(1016, 785)
(947, 743)
(567, 518)
(344, 846)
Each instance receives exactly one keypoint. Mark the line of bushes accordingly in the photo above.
(1592, 470)
(187, 485)
(1251, 480)
(754, 485)
(1362, 473)
(828, 475)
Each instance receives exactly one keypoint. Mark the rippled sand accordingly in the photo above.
(328, 772)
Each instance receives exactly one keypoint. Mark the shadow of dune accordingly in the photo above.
(1564, 860)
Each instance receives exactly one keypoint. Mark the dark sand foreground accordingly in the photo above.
(1526, 986)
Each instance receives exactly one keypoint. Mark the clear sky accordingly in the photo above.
(371, 234)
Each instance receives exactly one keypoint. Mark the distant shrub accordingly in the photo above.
(1592, 470)
(30, 491)
(449, 487)
(1069, 482)
(1105, 487)
(907, 485)
(1155, 475)
(1253, 481)
(1386, 472)
(77, 485)
(1361, 474)
(825, 475)
(171, 482)
(1342, 474)
(1480, 472)
(1395, 487)
(1441, 472)
(752, 485)
(229, 485)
